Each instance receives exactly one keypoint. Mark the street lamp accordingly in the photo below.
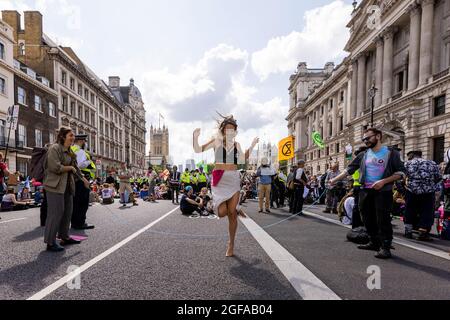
(372, 94)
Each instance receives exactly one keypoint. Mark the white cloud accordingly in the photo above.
(321, 40)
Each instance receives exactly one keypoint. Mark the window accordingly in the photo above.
(51, 109)
(438, 149)
(38, 135)
(330, 128)
(331, 103)
(400, 81)
(338, 148)
(72, 84)
(101, 107)
(51, 137)
(92, 98)
(2, 51)
(342, 96)
(86, 116)
(64, 104)
(93, 118)
(37, 103)
(21, 96)
(80, 112)
(341, 123)
(80, 90)
(322, 110)
(327, 151)
(86, 94)
(101, 126)
(439, 106)
(72, 108)
(2, 86)
(22, 135)
(64, 77)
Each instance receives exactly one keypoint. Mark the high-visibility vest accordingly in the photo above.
(356, 179)
(194, 179)
(186, 178)
(202, 178)
(91, 172)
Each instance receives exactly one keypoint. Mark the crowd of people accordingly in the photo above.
(376, 186)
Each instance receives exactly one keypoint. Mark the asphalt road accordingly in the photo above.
(153, 252)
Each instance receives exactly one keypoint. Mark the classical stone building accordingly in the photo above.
(135, 124)
(7, 90)
(159, 145)
(401, 48)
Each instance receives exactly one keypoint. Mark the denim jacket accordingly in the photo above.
(395, 166)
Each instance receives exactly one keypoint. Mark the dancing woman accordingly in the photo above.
(226, 182)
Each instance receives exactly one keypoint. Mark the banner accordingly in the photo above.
(317, 139)
(286, 149)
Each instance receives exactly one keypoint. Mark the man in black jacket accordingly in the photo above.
(174, 183)
(300, 182)
(379, 167)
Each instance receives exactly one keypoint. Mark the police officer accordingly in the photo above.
(81, 198)
(202, 179)
(186, 179)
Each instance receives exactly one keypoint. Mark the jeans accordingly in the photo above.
(419, 211)
(298, 200)
(376, 207)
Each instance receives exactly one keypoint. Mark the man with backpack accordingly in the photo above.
(379, 167)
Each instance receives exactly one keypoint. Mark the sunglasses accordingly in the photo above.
(368, 138)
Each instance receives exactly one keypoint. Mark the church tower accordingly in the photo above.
(159, 145)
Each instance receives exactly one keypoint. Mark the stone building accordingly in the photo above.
(159, 145)
(85, 102)
(7, 91)
(135, 125)
(399, 47)
(38, 113)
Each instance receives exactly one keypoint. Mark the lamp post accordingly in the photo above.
(372, 94)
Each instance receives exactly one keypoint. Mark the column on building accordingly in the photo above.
(426, 41)
(379, 71)
(354, 91)
(347, 98)
(414, 46)
(310, 129)
(326, 123)
(362, 93)
(336, 113)
(388, 64)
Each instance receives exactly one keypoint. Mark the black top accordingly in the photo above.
(231, 157)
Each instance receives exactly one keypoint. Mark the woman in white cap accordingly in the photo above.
(226, 182)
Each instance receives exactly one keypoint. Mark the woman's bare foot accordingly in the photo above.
(230, 251)
(242, 214)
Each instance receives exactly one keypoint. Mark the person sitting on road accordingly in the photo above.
(25, 195)
(163, 192)
(108, 194)
(144, 193)
(10, 203)
(189, 203)
(206, 202)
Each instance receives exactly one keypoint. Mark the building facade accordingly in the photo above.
(134, 123)
(7, 91)
(159, 146)
(38, 114)
(405, 55)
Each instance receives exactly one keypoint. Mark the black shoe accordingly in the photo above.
(326, 211)
(370, 247)
(260, 211)
(135, 204)
(268, 211)
(55, 248)
(384, 254)
(85, 227)
(69, 242)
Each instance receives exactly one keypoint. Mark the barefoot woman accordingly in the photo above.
(226, 182)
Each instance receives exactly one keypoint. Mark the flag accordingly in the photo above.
(286, 149)
(318, 141)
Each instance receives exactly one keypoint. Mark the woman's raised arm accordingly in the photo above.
(203, 148)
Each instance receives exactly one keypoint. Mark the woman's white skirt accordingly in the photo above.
(229, 185)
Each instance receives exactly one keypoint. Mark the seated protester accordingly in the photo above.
(156, 194)
(108, 194)
(25, 195)
(164, 192)
(39, 196)
(10, 203)
(188, 203)
(206, 202)
(345, 208)
(144, 194)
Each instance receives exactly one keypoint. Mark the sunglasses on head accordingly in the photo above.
(368, 138)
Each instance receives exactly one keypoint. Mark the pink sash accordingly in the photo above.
(216, 177)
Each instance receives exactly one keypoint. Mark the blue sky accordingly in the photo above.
(191, 58)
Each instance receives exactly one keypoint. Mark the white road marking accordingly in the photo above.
(409, 244)
(56, 285)
(12, 220)
(308, 286)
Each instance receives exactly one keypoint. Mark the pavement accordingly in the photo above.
(152, 252)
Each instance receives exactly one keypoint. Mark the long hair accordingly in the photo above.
(62, 133)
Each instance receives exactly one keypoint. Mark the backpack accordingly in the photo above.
(358, 236)
(38, 158)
